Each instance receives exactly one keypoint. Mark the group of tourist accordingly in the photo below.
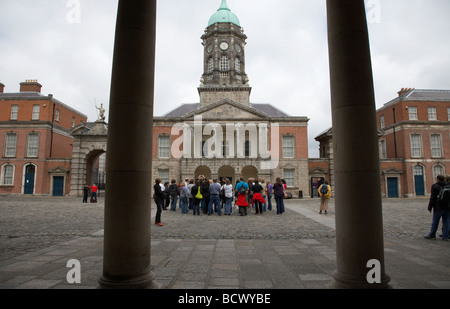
(439, 205)
(209, 196)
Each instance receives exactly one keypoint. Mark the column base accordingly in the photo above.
(345, 281)
(139, 283)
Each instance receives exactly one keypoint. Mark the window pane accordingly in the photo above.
(224, 63)
(8, 171)
(432, 113)
(438, 170)
(11, 145)
(435, 145)
(36, 109)
(289, 177)
(412, 112)
(33, 145)
(14, 112)
(288, 146)
(164, 147)
(415, 145)
(164, 175)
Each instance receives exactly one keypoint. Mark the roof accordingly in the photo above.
(224, 15)
(264, 108)
(421, 95)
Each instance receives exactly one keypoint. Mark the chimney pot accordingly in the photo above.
(2, 87)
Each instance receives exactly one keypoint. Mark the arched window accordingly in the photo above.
(7, 174)
(224, 66)
(438, 170)
(237, 64)
(210, 65)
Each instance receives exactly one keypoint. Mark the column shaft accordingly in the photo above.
(359, 225)
(126, 262)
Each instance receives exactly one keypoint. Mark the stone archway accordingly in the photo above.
(203, 170)
(249, 172)
(89, 143)
(226, 171)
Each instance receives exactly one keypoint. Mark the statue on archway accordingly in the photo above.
(101, 112)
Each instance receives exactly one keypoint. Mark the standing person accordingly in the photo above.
(205, 193)
(94, 190)
(228, 190)
(173, 192)
(184, 193)
(190, 197)
(85, 193)
(242, 189)
(214, 198)
(263, 194)
(439, 210)
(250, 184)
(257, 199)
(278, 192)
(159, 200)
(166, 195)
(196, 193)
(269, 191)
(325, 195)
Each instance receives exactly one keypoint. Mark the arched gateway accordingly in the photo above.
(89, 143)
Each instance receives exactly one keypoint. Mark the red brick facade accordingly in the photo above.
(35, 142)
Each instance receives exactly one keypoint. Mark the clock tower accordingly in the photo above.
(224, 74)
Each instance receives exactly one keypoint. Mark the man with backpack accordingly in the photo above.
(439, 203)
(325, 195)
(242, 189)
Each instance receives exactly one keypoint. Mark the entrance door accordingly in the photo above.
(30, 171)
(418, 180)
(58, 185)
(315, 184)
(392, 187)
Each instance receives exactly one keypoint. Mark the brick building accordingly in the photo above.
(414, 141)
(35, 141)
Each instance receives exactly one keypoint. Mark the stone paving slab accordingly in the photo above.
(293, 251)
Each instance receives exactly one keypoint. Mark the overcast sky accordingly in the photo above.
(67, 46)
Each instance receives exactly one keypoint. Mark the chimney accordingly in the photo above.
(30, 85)
(404, 91)
(2, 87)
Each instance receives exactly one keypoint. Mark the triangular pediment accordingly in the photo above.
(227, 109)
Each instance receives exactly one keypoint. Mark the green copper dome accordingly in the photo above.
(224, 15)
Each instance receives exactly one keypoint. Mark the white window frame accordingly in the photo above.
(10, 145)
(436, 145)
(382, 122)
(436, 172)
(3, 174)
(14, 112)
(286, 149)
(162, 175)
(237, 64)
(36, 112)
(432, 115)
(57, 115)
(288, 177)
(416, 145)
(164, 150)
(33, 145)
(412, 113)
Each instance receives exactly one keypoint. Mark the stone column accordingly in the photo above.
(359, 223)
(126, 256)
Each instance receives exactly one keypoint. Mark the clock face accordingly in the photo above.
(224, 46)
(237, 48)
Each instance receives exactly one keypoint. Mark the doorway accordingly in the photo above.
(30, 175)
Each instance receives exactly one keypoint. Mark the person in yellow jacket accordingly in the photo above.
(325, 195)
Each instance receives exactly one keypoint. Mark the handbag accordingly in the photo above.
(198, 196)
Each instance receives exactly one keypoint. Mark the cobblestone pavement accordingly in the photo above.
(38, 235)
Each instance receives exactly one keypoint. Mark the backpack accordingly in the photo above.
(242, 189)
(443, 198)
(198, 196)
(324, 189)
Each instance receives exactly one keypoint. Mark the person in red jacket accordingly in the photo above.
(94, 190)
